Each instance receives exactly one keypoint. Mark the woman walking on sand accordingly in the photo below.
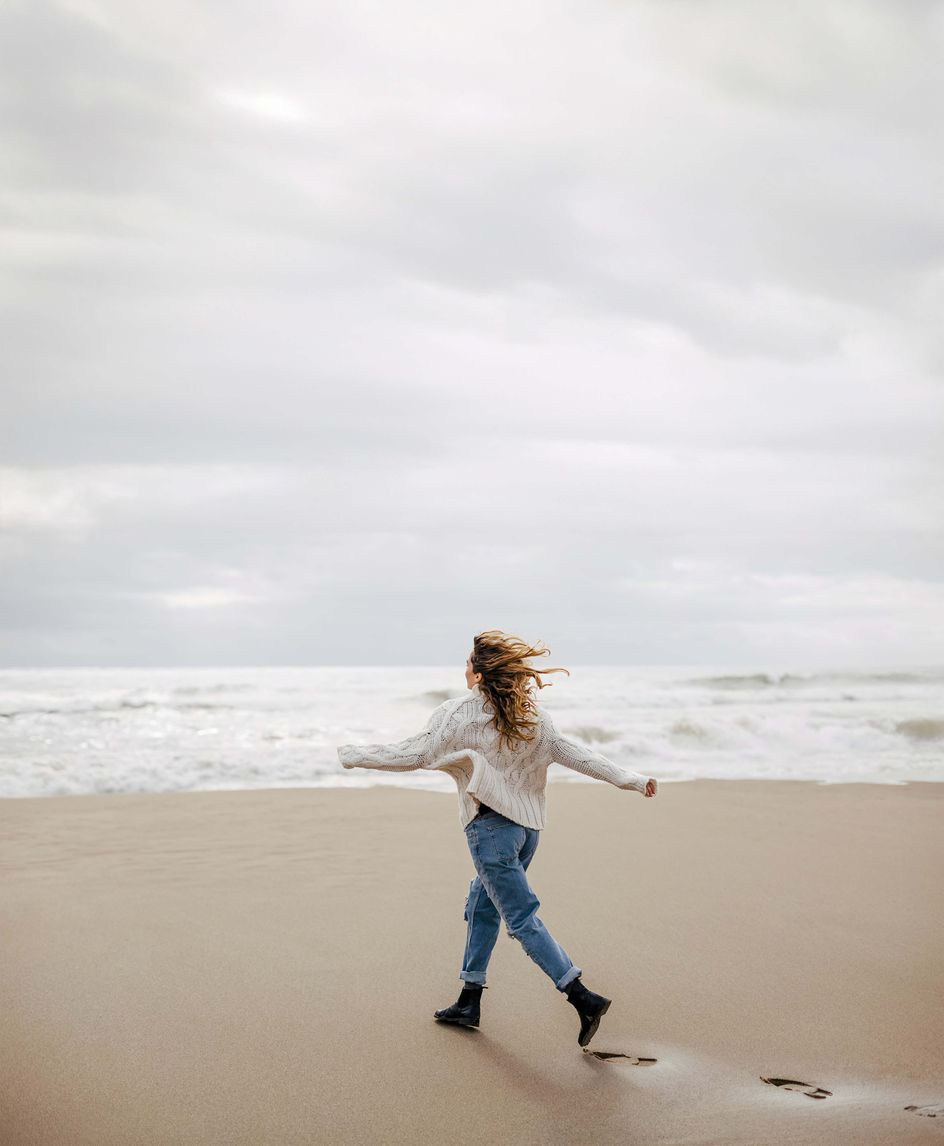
(497, 744)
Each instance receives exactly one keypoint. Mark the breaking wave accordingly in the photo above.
(921, 729)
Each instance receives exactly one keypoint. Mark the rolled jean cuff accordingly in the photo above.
(565, 980)
(472, 979)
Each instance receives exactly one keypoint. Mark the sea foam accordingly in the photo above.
(130, 730)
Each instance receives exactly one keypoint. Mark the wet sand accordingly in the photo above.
(262, 968)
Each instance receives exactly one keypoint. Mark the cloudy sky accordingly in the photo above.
(333, 333)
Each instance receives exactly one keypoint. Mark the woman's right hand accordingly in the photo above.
(651, 787)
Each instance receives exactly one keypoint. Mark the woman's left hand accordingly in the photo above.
(651, 787)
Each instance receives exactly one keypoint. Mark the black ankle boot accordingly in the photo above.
(465, 1010)
(589, 1006)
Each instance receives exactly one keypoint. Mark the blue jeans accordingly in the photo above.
(501, 851)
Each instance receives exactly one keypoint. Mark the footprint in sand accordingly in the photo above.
(928, 1111)
(806, 1088)
(610, 1056)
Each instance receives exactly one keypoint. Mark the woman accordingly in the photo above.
(497, 744)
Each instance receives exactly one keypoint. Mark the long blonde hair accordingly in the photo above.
(507, 681)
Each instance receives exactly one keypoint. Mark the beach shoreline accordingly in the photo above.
(262, 966)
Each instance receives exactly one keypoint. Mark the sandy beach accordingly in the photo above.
(262, 968)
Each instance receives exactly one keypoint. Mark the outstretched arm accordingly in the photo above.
(405, 756)
(570, 753)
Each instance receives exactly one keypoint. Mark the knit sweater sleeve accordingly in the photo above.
(561, 749)
(417, 751)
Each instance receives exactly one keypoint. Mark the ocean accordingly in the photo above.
(75, 731)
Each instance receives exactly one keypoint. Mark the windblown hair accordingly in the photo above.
(508, 682)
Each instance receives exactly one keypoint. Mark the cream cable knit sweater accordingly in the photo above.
(459, 739)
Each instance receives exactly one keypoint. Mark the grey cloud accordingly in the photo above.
(500, 329)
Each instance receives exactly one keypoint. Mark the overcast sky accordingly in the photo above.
(333, 333)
